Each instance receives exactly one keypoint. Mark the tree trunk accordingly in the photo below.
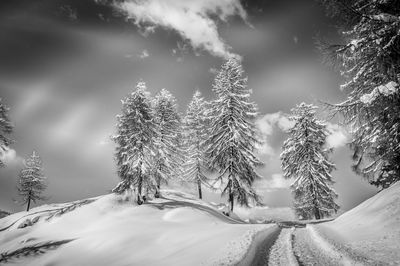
(199, 188)
(29, 204)
(316, 213)
(139, 196)
(230, 200)
(157, 193)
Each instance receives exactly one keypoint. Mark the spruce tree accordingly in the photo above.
(305, 158)
(369, 59)
(168, 156)
(135, 139)
(5, 129)
(32, 180)
(195, 130)
(231, 145)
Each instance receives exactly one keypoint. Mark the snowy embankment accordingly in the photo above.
(174, 230)
(371, 230)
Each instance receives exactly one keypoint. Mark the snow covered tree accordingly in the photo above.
(232, 140)
(305, 158)
(168, 157)
(195, 130)
(5, 129)
(135, 139)
(32, 180)
(370, 60)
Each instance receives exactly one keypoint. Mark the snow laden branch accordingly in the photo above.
(305, 159)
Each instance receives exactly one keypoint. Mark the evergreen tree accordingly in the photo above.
(5, 129)
(195, 130)
(230, 147)
(135, 139)
(168, 157)
(32, 180)
(305, 158)
(370, 61)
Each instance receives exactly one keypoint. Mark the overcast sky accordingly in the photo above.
(65, 65)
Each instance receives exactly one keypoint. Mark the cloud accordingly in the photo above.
(144, 54)
(9, 157)
(194, 20)
(338, 136)
(266, 125)
(276, 181)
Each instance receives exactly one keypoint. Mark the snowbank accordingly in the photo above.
(175, 230)
(372, 229)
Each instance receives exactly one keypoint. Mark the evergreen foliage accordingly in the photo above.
(370, 61)
(305, 158)
(168, 156)
(135, 139)
(195, 133)
(5, 129)
(32, 180)
(231, 145)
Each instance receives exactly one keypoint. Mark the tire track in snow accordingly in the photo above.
(282, 252)
(263, 249)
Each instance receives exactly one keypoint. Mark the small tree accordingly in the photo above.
(305, 158)
(168, 159)
(195, 128)
(32, 180)
(136, 133)
(5, 129)
(232, 140)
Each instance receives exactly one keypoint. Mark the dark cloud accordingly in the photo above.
(66, 64)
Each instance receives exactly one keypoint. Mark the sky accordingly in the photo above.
(65, 65)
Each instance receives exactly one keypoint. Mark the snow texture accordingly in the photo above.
(382, 90)
(112, 231)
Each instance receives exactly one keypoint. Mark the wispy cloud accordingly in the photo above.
(194, 20)
(276, 181)
(338, 136)
(144, 54)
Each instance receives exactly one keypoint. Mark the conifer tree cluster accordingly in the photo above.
(305, 158)
(32, 181)
(370, 61)
(5, 129)
(154, 145)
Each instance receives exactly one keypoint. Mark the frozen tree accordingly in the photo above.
(32, 180)
(195, 130)
(232, 135)
(168, 158)
(5, 129)
(135, 139)
(305, 158)
(370, 61)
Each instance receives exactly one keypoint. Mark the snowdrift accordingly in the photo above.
(174, 230)
(371, 229)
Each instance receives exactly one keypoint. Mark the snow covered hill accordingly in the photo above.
(372, 229)
(107, 230)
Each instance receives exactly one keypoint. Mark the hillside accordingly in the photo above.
(107, 230)
(372, 229)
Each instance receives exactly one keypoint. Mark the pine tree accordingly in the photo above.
(5, 129)
(370, 61)
(305, 158)
(168, 158)
(230, 147)
(135, 139)
(195, 130)
(32, 180)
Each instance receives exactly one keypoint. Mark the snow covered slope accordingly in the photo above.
(371, 229)
(174, 230)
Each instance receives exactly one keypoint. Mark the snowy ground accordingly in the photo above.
(371, 230)
(175, 230)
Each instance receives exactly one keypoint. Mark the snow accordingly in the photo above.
(385, 90)
(174, 230)
(282, 251)
(371, 229)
